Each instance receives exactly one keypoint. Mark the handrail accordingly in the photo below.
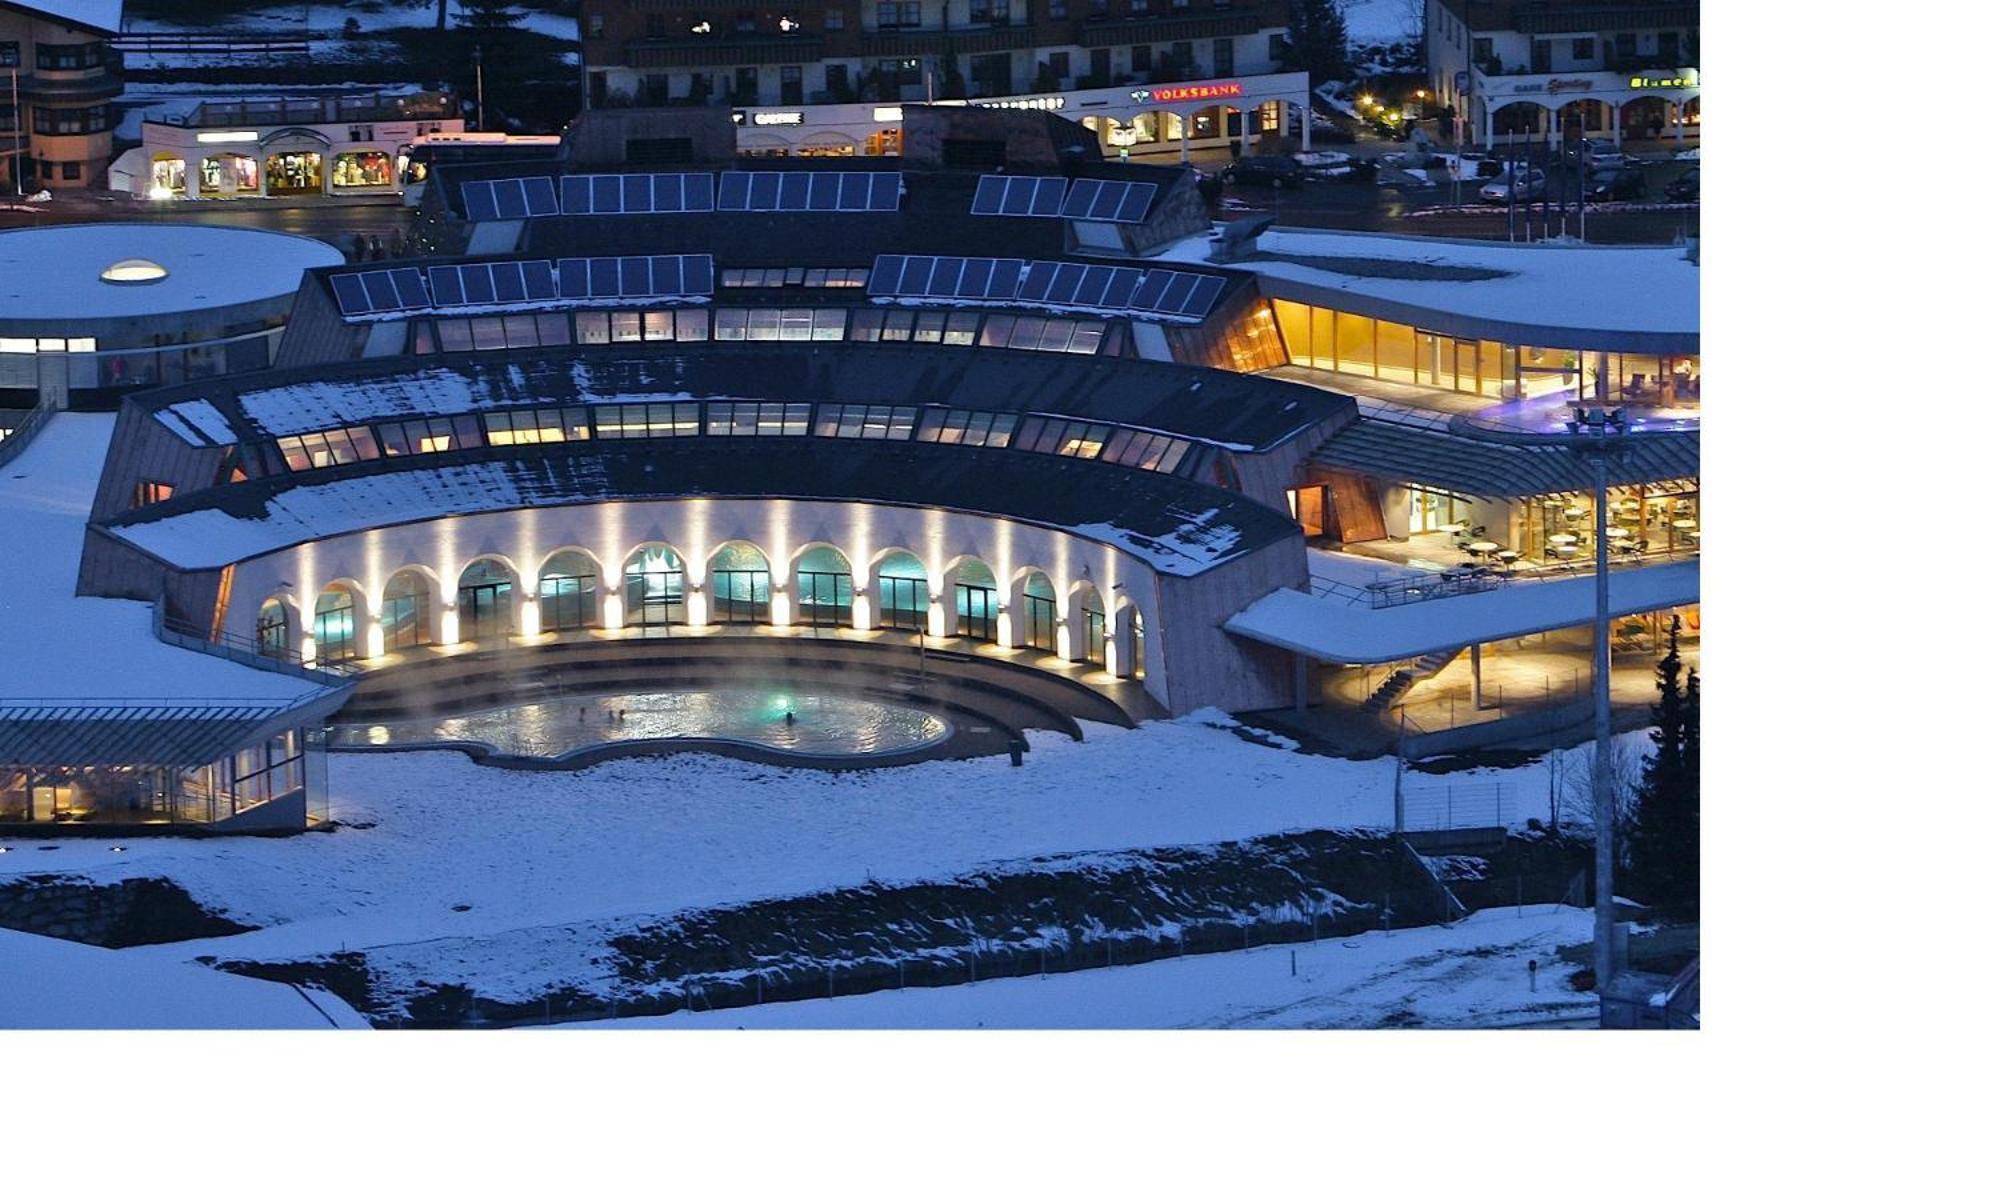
(19, 436)
(239, 649)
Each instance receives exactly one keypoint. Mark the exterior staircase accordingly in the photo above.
(1402, 679)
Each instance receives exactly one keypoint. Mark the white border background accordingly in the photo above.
(1849, 309)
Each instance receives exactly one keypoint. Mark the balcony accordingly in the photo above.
(725, 50)
(1168, 27)
(913, 43)
(100, 82)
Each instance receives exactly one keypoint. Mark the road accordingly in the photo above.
(331, 221)
(1392, 207)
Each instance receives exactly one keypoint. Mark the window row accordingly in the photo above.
(1124, 446)
(934, 326)
(833, 277)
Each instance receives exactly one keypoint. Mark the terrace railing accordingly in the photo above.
(239, 649)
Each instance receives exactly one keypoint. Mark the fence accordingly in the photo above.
(22, 432)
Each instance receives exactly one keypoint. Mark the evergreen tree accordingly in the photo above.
(951, 86)
(486, 16)
(1317, 41)
(1663, 848)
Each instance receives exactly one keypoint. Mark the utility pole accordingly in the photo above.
(20, 132)
(479, 84)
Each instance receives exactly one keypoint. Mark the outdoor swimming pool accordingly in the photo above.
(834, 726)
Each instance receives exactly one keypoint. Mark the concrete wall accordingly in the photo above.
(1205, 666)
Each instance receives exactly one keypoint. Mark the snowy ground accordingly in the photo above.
(533, 857)
(1371, 22)
(1473, 974)
(56, 984)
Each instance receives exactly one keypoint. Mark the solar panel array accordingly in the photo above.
(1019, 196)
(523, 281)
(635, 277)
(601, 195)
(492, 283)
(1108, 200)
(809, 191)
(1074, 285)
(509, 199)
(394, 289)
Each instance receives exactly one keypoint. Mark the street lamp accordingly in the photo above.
(1598, 434)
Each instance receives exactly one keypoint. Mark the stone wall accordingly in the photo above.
(131, 912)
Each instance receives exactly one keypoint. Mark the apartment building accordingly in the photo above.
(57, 83)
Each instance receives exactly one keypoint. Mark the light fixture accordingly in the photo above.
(704, 27)
(133, 270)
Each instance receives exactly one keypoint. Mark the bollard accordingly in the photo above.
(1295, 964)
(1014, 748)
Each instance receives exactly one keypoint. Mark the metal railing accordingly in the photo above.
(239, 649)
(24, 431)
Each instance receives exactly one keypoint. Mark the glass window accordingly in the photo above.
(896, 324)
(625, 327)
(454, 335)
(730, 324)
(997, 331)
(961, 329)
(829, 324)
(593, 328)
(659, 326)
(866, 326)
(691, 325)
(930, 327)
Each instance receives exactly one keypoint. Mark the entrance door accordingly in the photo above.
(905, 603)
(975, 612)
(482, 610)
(826, 599)
(742, 597)
(1041, 616)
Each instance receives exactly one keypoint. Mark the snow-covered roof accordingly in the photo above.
(1596, 297)
(102, 15)
(1175, 526)
(56, 645)
(52, 276)
(57, 984)
(1332, 630)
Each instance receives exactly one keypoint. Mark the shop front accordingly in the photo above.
(1164, 118)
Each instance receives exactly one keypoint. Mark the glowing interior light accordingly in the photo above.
(133, 270)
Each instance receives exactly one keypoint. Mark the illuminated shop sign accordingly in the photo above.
(778, 118)
(1677, 80)
(227, 135)
(1044, 103)
(892, 112)
(1187, 91)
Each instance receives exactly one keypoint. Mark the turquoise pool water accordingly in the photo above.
(821, 724)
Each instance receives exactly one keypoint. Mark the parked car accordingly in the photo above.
(1520, 185)
(1687, 187)
(1600, 152)
(1273, 170)
(1616, 183)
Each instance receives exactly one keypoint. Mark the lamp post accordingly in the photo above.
(1599, 435)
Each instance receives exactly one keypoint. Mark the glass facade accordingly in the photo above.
(740, 586)
(485, 601)
(826, 589)
(906, 590)
(1329, 340)
(655, 589)
(282, 766)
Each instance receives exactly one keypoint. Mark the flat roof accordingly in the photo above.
(1334, 631)
(53, 275)
(1174, 525)
(104, 16)
(56, 645)
(1596, 297)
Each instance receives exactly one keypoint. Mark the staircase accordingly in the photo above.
(1403, 679)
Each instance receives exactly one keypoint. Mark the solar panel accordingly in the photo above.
(634, 277)
(1138, 198)
(1019, 196)
(888, 269)
(605, 194)
(541, 194)
(477, 197)
(944, 277)
(350, 295)
(576, 195)
(1206, 289)
(1108, 200)
(1118, 292)
(1036, 286)
(809, 191)
(1062, 289)
(410, 290)
(698, 193)
(733, 193)
(510, 200)
(1177, 293)
(381, 292)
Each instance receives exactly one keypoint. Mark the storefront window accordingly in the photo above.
(169, 175)
(364, 168)
(294, 172)
(228, 173)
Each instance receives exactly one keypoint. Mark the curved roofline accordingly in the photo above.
(1166, 519)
